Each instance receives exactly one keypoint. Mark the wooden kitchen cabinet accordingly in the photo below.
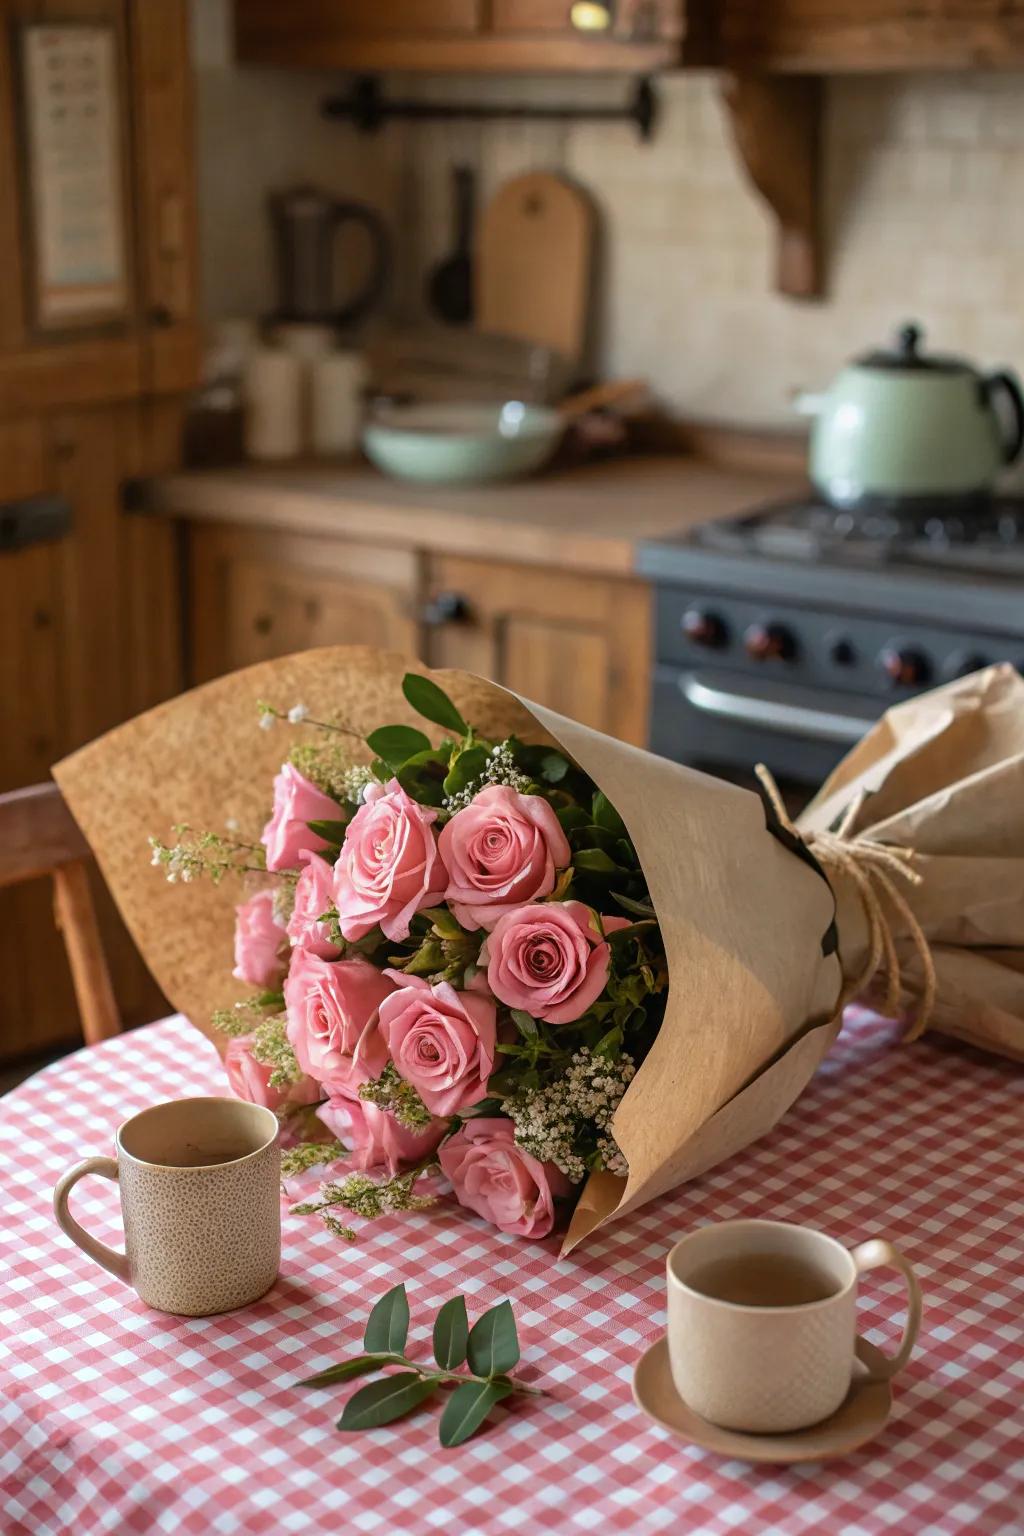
(465, 35)
(577, 643)
(89, 605)
(255, 595)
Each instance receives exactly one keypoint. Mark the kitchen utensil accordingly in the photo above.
(533, 263)
(762, 1323)
(273, 389)
(475, 441)
(436, 362)
(307, 224)
(336, 412)
(898, 426)
(863, 1414)
(201, 1202)
(450, 288)
(436, 444)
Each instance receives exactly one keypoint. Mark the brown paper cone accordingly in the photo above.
(745, 921)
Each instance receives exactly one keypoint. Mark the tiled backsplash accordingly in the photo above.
(923, 207)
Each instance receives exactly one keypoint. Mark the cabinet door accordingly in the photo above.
(579, 644)
(257, 595)
(638, 21)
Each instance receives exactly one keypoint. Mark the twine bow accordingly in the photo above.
(874, 869)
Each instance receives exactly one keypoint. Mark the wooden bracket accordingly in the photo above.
(776, 123)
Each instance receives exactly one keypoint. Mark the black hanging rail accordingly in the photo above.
(368, 108)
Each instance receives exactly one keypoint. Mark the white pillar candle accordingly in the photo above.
(337, 402)
(273, 404)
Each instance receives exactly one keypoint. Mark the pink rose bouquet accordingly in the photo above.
(459, 967)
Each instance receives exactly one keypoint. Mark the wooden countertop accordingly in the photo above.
(585, 519)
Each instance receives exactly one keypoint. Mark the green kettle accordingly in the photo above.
(902, 427)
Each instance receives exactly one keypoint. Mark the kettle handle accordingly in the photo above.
(380, 254)
(994, 383)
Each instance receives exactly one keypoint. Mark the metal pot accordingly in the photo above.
(896, 426)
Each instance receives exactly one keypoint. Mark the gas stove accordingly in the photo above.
(782, 634)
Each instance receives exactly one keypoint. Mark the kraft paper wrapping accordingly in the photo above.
(943, 774)
(747, 923)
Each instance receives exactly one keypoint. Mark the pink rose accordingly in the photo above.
(332, 1019)
(260, 940)
(501, 1182)
(389, 867)
(549, 959)
(250, 1079)
(314, 895)
(441, 1041)
(503, 850)
(296, 802)
(374, 1137)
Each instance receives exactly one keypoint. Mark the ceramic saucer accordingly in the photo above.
(858, 1419)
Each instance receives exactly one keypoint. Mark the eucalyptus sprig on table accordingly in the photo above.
(490, 1347)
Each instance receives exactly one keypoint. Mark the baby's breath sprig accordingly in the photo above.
(207, 853)
(392, 1093)
(568, 1122)
(300, 715)
(310, 1154)
(359, 1194)
(242, 1018)
(500, 769)
(272, 1048)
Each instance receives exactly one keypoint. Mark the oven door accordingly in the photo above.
(724, 723)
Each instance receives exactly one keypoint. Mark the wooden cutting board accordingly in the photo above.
(533, 267)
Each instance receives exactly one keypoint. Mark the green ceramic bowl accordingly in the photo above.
(460, 444)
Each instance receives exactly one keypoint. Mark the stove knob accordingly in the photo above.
(769, 642)
(705, 628)
(961, 663)
(904, 668)
(841, 652)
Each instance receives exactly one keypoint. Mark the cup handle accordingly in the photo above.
(878, 1254)
(106, 1167)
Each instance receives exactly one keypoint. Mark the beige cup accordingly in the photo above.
(201, 1202)
(770, 1368)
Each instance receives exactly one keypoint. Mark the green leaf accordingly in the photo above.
(384, 1401)
(638, 908)
(423, 776)
(595, 861)
(387, 1327)
(430, 701)
(451, 1331)
(330, 831)
(493, 1342)
(442, 921)
(572, 817)
(468, 1407)
(395, 744)
(526, 1022)
(631, 931)
(361, 1365)
(466, 767)
(553, 767)
(270, 1000)
(606, 816)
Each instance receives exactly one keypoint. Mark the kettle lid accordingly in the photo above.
(905, 355)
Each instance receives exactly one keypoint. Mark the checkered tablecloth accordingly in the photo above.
(122, 1420)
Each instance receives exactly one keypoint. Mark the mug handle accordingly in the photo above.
(878, 1254)
(107, 1168)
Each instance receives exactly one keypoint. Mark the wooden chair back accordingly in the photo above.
(39, 836)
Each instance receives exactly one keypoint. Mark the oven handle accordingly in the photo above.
(772, 714)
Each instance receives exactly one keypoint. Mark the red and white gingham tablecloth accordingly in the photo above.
(121, 1420)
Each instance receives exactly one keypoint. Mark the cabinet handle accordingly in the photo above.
(263, 623)
(445, 608)
(35, 520)
(590, 16)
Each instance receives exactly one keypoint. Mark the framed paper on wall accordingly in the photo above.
(74, 160)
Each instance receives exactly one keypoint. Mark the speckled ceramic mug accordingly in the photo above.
(201, 1202)
(751, 1360)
